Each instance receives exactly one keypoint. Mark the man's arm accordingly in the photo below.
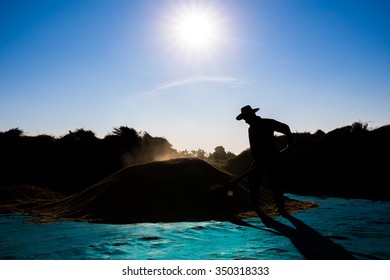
(284, 129)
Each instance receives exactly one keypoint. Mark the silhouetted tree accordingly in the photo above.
(156, 148)
(12, 133)
(201, 154)
(359, 126)
(129, 135)
(83, 134)
(220, 156)
(185, 153)
(319, 133)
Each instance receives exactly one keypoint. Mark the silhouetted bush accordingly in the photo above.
(348, 161)
(76, 160)
(13, 133)
(319, 133)
(220, 156)
(343, 162)
(358, 127)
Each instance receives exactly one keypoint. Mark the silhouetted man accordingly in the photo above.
(262, 144)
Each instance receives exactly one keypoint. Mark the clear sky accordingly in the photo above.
(183, 69)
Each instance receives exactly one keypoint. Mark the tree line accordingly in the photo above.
(79, 159)
(347, 161)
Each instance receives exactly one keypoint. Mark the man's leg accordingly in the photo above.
(254, 184)
(277, 186)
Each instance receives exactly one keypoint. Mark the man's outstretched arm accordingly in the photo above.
(285, 129)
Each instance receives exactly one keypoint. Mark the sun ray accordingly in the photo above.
(196, 29)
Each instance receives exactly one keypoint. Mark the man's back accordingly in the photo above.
(261, 137)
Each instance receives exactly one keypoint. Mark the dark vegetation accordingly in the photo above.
(77, 160)
(351, 161)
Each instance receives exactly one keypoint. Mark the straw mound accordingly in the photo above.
(15, 198)
(163, 191)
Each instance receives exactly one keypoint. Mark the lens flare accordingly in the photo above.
(196, 29)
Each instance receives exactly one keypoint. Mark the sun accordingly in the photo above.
(196, 28)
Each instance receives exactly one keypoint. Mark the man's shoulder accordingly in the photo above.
(267, 121)
(271, 123)
(262, 121)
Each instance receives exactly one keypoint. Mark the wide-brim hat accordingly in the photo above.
(246, 111)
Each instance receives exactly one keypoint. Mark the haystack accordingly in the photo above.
(161, 191)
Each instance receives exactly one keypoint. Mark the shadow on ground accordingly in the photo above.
(309, 242)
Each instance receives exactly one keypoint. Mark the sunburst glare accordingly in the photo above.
(196, 29)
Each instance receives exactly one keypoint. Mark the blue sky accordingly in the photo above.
(100, 64)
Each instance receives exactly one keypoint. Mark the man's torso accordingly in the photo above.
(261, 138)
